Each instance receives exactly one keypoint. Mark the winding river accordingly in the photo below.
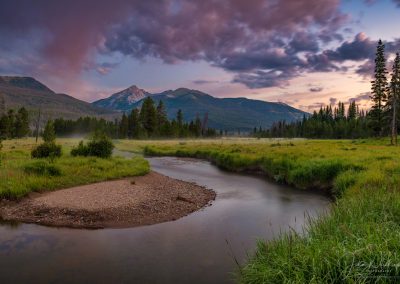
(203, 247)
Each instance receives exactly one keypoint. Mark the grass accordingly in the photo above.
(358, 242)
(20, 175)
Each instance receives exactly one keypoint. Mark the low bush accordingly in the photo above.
(42, 168)
(101, 147)
(80, 150)
(47, 150)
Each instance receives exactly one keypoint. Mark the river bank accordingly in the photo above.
(350, 244)
(130, 202)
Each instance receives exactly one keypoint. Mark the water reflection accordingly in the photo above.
(199, 248)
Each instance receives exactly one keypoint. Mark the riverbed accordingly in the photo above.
(203, 247)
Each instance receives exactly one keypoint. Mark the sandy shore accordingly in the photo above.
(150, 199)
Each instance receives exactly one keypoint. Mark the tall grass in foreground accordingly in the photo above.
(20, 175)
(358, 242)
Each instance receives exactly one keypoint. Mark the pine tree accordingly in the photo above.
(179, 121)
(123, 127)
(22, 123)
(379, 87)
(393, 99)
(179, 118)
(352, 111)
(49, 134)
(198, 127)
(134, 124)
(148, 116)
(161, 118)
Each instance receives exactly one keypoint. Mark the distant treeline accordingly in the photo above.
(14, 124)
(149, 122)
(328, 122)
(381, 120)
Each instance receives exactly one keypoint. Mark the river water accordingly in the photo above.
(200, 248)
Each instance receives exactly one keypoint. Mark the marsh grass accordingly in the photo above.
(357, 242)
(21, 175)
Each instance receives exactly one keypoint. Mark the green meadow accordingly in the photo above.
(20, 174)
(357, 242)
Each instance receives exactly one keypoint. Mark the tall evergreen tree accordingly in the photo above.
(179, 121)
(123, 127)
(352, 112)
(148, 116)
(162, 118)
(379, 87)
(179, 118)
(391, 109)
(134, 124)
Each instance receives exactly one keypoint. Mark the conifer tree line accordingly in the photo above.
(14, 124)
(381, 120)
(329, 122)
(150, 121)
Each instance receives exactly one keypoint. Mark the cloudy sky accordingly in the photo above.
(306, 53)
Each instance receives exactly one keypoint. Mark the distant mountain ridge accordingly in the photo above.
(223, 113)
(27, 92)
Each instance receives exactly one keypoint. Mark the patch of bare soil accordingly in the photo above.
(150, 199)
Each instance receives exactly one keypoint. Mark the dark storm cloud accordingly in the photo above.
(359, 49)
(264, 43)
(256, 37)
(259, 41)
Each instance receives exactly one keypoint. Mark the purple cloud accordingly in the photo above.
(263, 43)
(316, 89)
(361, 97)
(333, 101)
(204, 82)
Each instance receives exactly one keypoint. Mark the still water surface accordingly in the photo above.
(199, 248)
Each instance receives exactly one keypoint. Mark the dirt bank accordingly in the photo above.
(150, 199)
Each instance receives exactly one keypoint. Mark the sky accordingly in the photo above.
(306, 53)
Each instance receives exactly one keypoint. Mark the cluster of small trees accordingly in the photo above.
(84, 125)
(328, 122)
(149, 122)
(152, 121)
(14, 124)
(338, 123)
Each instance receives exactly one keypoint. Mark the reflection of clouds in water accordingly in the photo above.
(198, 248)
(27, 242)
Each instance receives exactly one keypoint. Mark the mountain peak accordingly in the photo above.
(124, 98)
(24, 82)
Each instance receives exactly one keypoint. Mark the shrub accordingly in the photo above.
(98, 146)
(42, 168)
(46, 150)
(80, 150)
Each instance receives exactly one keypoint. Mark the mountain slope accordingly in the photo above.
(33, 95)
(226, 113)
(122, 100)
